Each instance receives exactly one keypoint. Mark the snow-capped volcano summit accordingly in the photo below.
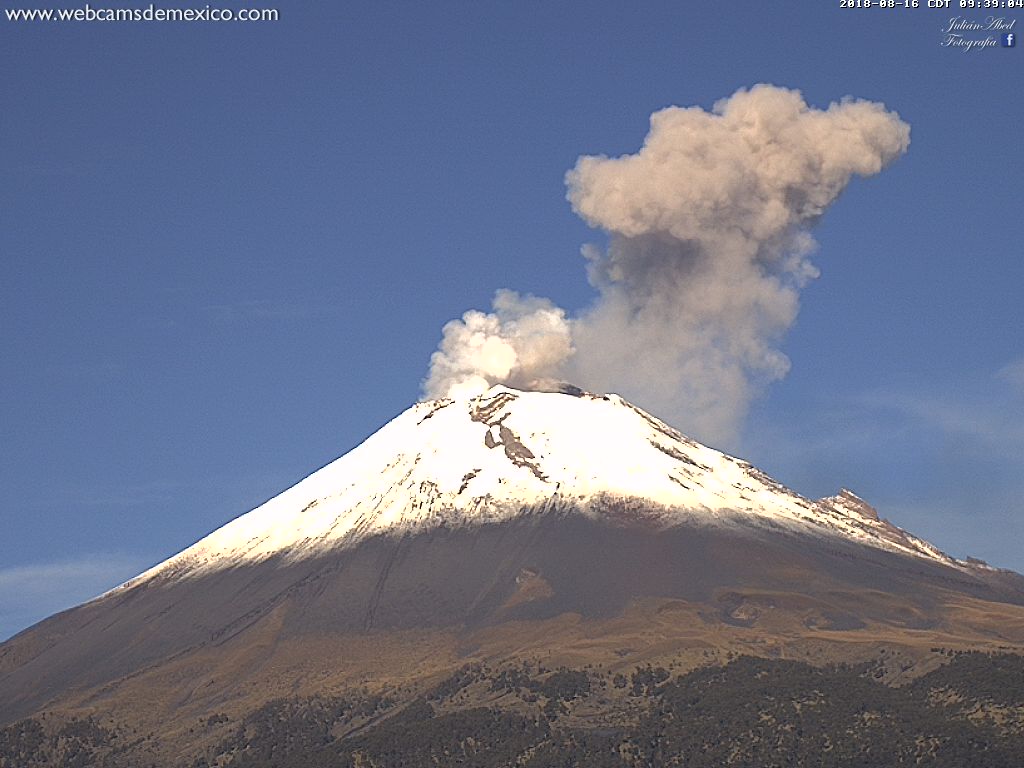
(507, 453)
(505, 526)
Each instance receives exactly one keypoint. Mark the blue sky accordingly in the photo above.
(227, 252)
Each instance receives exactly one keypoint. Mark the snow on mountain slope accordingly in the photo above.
(506, 453)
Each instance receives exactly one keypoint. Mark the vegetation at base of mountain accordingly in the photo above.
(997, 679)
(74, 743)
(750, 712)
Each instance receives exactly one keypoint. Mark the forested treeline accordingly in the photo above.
(750, 712)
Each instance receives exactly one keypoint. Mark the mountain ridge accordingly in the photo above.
(483, 459)
(552, 529)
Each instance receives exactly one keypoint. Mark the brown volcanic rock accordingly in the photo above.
(414, 556)
(399, 609)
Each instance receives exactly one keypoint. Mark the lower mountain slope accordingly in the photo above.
(748, 712)
(538, 579)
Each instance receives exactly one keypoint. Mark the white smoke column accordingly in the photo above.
(525, 340)
(708, 251)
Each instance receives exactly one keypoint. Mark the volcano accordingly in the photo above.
(566, 528)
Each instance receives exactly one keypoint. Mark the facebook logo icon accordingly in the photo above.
(1009, 39)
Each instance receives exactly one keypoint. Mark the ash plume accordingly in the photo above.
(708, 249)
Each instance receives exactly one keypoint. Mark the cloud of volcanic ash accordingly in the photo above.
(708, 248)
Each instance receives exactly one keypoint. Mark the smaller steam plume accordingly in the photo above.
(525, 339)
(708, 250)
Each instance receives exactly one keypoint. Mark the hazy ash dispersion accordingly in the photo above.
(708, 250)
